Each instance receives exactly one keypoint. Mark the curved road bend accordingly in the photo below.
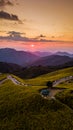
(57, 82)
(2, 81)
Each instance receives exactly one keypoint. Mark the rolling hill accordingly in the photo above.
(43, 79)
(53, 60)
(26, 72)
(9, 67)
(64, 54)
(22, 58)
(42, 54)
(39, 70)
(23, 108)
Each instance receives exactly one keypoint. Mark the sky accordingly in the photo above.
(44, 25)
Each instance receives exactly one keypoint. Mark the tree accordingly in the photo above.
(50, 84)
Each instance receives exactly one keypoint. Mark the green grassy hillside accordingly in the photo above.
(2, 76)
(42, 80)
(23, 108)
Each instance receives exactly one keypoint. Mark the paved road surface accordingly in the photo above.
(57, 82)
(53, 91)
(15, 81)
(2, 81)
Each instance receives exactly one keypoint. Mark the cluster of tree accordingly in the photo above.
(30, 72)
(34, 71)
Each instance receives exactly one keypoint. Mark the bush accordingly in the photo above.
(49, 84)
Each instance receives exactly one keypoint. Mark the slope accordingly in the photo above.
(53, 60)
(22, 58)
(23, 108)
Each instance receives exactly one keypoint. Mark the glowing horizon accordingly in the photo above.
(42, 21)
(48, 46)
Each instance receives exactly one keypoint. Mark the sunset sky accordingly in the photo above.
(45, 25)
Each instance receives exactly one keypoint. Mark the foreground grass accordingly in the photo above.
(2, 76)
(66, 97)
(23, 108)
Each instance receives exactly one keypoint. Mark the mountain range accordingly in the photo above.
(24, 59)
(9, 67)
(21, 58)
(29, 65)
(64, 54)
(42, 54)
(53, 60)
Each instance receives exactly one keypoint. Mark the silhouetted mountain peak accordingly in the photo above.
(22, 58)
(53, 60)
(64, 54)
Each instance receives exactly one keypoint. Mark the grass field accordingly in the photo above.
(42, 80)
(23, 108)
(2, 76)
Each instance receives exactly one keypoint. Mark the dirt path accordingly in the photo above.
(53, 92)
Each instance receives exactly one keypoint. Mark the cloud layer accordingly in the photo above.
(5, 15)
(17, 36)
(5, 2)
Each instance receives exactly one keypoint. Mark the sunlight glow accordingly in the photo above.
(32, 45)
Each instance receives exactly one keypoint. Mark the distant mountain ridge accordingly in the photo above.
(9, 67)
(32, 71)
(64, 54)
(42, 54)
(25, 58)
(22, 58)
(53, 60)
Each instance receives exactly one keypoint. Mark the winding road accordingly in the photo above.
(51, 92)
(57, 82)
(14, 80)
(3, 80)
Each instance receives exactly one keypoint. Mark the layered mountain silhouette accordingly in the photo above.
(9, 68)
(28, 65)
(64, 54)
(21, 58)
(42, 54)
(34, 71)
(24, 59)
(53, 60)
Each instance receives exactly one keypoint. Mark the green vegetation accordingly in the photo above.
(66, 97)
(42, 80)
(67, 84)
(23, 108)
(2, 76)
(49, 84)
